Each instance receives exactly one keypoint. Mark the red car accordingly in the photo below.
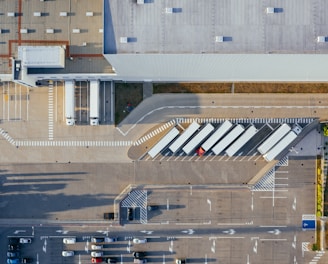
(96, 260)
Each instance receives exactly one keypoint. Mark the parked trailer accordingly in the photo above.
(70, 103)
(196, 140)
(94, 102)
(228, 139)
(216, 136)
(241, 141)
(184, 136)
(280, 146)
(160, 145)
(274, 138)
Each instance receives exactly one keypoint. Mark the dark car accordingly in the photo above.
(13, 240)
(13, 247)
(13, 261)
(152, 207)
(97, 239)
(109, 216)
(130, 214)
(12, 254)
(139, 255)
(26, 260)
(110, 260)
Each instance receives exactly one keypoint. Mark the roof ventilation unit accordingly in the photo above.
(219, 38)
(123, 40)
(269, 10)
(321, 39)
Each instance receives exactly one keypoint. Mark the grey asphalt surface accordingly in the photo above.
(72, 188)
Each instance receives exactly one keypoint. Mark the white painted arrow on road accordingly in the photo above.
(294, 242)
(230, 231)
(128, 248)
(294, 204)
(64, 232)
(276, 232)
(189, 231)
(19, 231)
(255, 247)
(171, 246)
(44, 248)
(147, 232)
(103, 232)
(213, 246)
(86, 248)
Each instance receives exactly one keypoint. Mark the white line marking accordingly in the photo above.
(273, 239)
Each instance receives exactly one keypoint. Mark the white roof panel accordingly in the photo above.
(42, 56)
(221, 67)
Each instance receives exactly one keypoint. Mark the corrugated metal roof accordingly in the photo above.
(221, 67)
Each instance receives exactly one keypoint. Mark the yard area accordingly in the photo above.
(241, 87)
(129, 95)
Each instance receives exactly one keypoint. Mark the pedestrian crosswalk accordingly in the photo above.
(154, 133)
(283, 162)
(7, 137)
(266, 183)
(57, 143)
(50, 112)
(137, 198)
(247, 120)
(28, 143)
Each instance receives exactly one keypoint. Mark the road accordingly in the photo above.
(67, 188)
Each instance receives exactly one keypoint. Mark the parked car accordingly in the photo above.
(12, 254)
(109, 216)
(139, 240)
(69, 240)
(110, 260)
(26, 260)
(66, 253)
(13, 240)
(25, 240)
(13, 261)
(180, 261)
(139, 255)
(96, 260)
(97, 239)
(97, 254)
(152, 207)
(139, 261)
(13, 247)
(110, 239)
(130, 214)
(96, 247)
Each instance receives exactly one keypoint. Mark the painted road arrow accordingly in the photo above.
(103, 232)
(19, 231)
(189, 231)
(147, 232)
(276, 232)
(230, 231)
(64, 232)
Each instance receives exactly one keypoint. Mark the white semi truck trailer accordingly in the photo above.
(94, 103)
(70, 103)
